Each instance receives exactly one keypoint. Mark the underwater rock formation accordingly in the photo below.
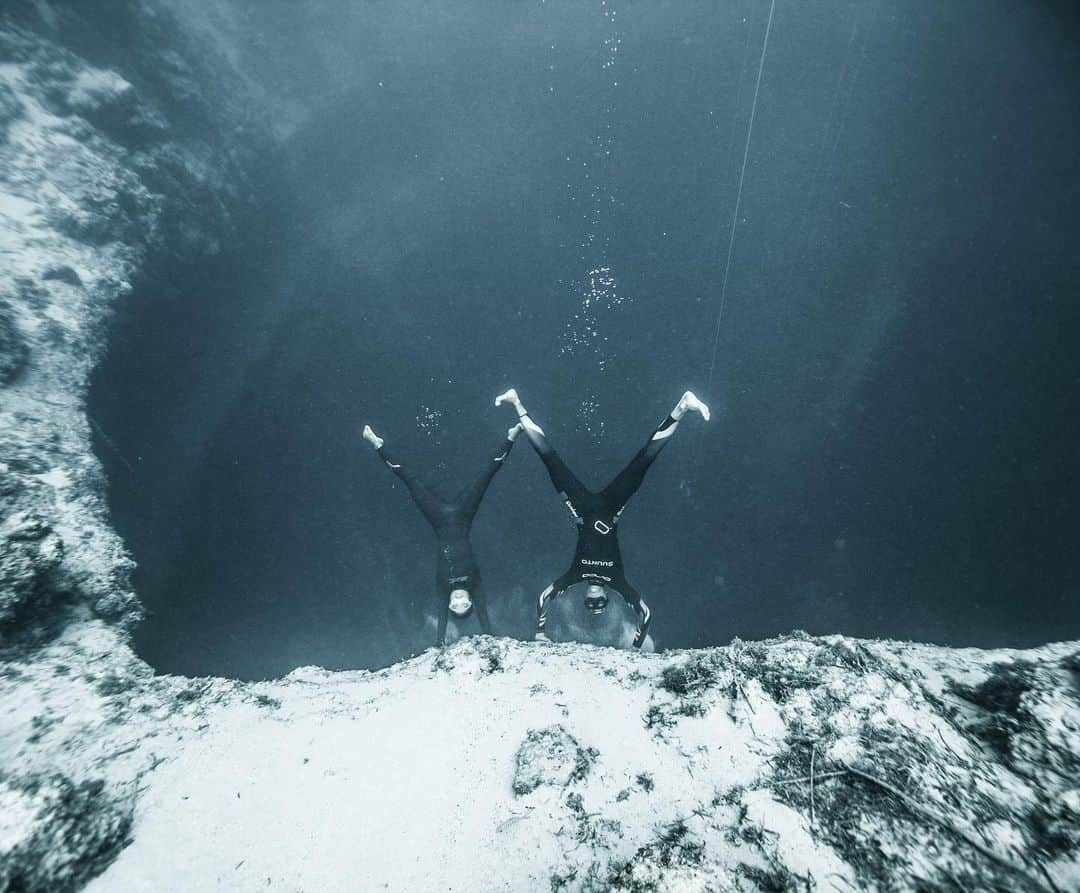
(103, 171)
(32, 551)
(825, 763)
(68, 833)
(550, 756)
(108, 166)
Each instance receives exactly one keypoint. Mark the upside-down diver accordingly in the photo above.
(457, 574)
(597, 559)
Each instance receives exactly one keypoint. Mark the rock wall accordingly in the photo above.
(122, 149)
(108, 163)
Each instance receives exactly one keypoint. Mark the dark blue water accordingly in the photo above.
(896, 391)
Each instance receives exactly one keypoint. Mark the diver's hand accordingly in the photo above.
(512, 434)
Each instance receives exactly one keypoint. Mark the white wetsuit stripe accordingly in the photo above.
(665, 433)
(544, 596)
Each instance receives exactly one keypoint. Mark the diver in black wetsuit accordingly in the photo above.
(457, 575)
(597, 560)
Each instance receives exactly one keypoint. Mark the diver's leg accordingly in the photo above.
(556, 588)
(627, 482)
(630, 595)
(469, 499)
(562, 477)
(425, 499)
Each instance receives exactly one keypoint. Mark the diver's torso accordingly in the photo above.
(597, 551)
(456, 562)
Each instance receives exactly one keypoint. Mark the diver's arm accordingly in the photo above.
(644, 619)
(633, 598)
(479, 599)
(444, 616)
(558, 587)
(541, 612)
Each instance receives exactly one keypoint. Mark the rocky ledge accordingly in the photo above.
(798, 763)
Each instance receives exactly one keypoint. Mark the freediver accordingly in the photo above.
(597, 559)
(457, 575)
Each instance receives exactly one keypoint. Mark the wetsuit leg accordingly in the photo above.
(557, 588)
(634, 600)
(626, 483)
(423, 496)
(565, 481)
(468, 500)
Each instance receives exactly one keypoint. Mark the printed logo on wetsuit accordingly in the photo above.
(592, 563)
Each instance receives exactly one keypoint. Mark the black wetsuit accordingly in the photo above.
(597, 558)
(456, 567)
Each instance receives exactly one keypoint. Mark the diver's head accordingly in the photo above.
(595, 599)
(460, 603)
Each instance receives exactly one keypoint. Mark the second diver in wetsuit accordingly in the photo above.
(457, 575)
(597, 559)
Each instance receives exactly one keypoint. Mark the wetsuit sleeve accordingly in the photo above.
(627, 482)
(425, 499)
(479, 600)
(442, 606)
(471, 496)
(556, 588)
(444, 617)
(562, 477)
(634, 600)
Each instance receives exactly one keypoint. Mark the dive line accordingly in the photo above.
(738, 197)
